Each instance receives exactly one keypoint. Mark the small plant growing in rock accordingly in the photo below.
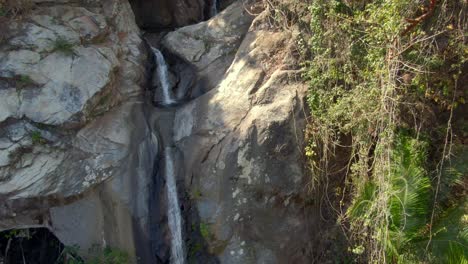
(108, 255)
(205, 231)
(23, 81)
(37, 138)
(63, 46)
(196, 194)
(69, 255)
(195, 249)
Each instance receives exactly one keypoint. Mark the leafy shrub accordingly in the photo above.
(378, 68)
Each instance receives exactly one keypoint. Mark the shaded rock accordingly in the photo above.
(160, 14)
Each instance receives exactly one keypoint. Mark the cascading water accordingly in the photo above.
(173, 214)
(163, 75)
(214, 8)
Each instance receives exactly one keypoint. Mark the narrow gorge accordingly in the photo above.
(169, 131)
(233, 131)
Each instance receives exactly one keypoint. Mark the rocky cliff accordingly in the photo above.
(80, 140)
(76, 149)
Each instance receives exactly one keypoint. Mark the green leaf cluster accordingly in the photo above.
(367, 73)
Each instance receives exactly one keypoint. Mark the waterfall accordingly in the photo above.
(163, 75)
(214, 8)
(173, 211)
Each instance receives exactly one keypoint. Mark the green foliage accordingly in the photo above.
(194, 249)
(37, 138)
(453, 175)
(409, 205)
(370, 68)
(23, 81)
(110, 256)
(12, 233)
(63, 46)
(362, 204)
(205, 231)
(70, 255)
(450, 241)
(406, 234)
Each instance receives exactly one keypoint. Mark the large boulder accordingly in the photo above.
(243, 158)
(76, 149)
(56, 65)
(210, 46)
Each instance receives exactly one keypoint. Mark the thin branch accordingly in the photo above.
(416, 21)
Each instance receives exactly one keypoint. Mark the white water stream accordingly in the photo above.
(214, 8)
(163, 75)
(173, 214)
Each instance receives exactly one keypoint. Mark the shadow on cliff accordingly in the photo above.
(240, 157)
(242, 176)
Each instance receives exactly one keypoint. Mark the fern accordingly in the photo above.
(450, 241)
(409, 209)
(409, 205)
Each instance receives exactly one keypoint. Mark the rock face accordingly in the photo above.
(76, 151)
(156, 15)
(161, 14)
(242, 155)
(210, 46)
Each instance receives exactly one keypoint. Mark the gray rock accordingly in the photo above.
(56, 88)
(42, 39)
(76, 148)
(210, 46)
(73, 82)
(9, 104)
(241, 142)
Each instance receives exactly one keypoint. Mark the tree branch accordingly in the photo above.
(416, 21)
